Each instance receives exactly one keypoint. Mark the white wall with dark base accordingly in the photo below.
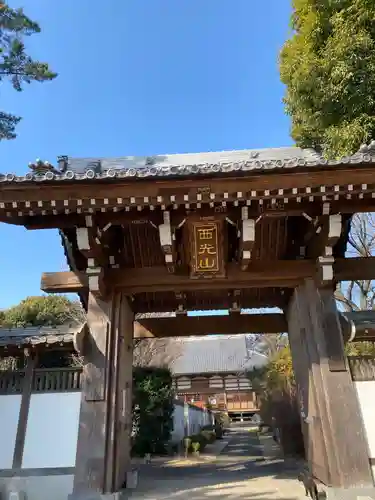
(52, 430)
(366, 396)
(49, 452)
(56, 487)
(9, 413)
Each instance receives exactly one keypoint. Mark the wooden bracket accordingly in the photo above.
(181, 308)
(334, 232)
(166, 242)
(89, 243)
(325, 270)
(247, 238)
(331, 233)
(235, 298)
(96, 282)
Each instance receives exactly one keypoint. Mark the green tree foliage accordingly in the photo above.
(45, 310)
(277, 374)
(328, 67)
(276, 387)
(15, 64)
(41, 311)
(153, 409)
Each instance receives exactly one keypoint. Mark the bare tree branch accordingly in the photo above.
(359, 295)
(156, 352)
(266, 343)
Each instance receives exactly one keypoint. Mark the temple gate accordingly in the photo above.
(233, 230)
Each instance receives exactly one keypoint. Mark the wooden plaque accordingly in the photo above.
(207, 249)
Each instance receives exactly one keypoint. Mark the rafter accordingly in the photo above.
(120, 216)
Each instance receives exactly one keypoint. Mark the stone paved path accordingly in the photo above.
(240, 472)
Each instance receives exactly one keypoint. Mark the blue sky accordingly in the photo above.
(140, 77)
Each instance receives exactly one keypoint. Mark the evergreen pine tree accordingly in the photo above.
(16, 65)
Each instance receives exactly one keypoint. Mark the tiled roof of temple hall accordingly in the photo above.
(216, 354)
(192, 164)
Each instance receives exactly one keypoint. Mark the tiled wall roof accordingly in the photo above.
(33, 335)
(184, 164)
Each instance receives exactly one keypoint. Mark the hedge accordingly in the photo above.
(152, 410)
(205, 437)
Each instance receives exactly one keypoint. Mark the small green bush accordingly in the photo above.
(222, 419)
(209, 435)
(187, 443)
(199, 438)
(196, 438)
(195, 447)
(218, 429)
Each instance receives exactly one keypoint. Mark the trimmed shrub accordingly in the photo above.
(218, 429)
(196, 447)
(222, 418)
(195, 438)
(210, 435)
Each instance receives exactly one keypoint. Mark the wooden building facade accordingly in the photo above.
(230, 230)
(213, 372)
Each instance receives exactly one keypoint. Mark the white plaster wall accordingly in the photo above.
(52, 430)
(196, 419)
(366, 392)
(39, 487)
(178, 424)
(9, 414)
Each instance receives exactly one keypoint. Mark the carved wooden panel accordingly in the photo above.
(207, 248)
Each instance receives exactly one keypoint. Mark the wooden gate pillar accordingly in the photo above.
(335, 440)
(103, 448)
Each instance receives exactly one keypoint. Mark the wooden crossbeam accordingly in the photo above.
(208, 325)
(277, 274)
(64, 282)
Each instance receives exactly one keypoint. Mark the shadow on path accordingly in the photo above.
(239, 472)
